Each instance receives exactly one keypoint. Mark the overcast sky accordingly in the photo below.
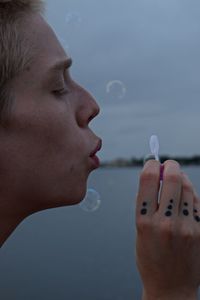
(141, 61)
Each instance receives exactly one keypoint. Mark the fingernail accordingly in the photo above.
(148, 157)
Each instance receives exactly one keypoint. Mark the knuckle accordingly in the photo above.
(187, 233)
(166, 229)
(143, 225)
(197, 235)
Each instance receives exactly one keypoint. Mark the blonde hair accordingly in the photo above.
(15, 51)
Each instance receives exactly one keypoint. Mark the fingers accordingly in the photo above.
(170, 194)
(196, 209)
(167, 245)
(147, 198)
(190, 202)
(187, 200)
(177, 196)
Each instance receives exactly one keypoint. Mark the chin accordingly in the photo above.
(74, 198)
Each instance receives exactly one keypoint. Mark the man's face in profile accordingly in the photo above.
(48, 148)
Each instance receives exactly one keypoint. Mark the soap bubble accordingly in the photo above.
(148, 157)
(116, 89)
(91, 202)
(73, 18)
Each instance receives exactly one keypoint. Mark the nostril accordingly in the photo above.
(83, 120)
(91, 118)
(95, 112)
(86, 113)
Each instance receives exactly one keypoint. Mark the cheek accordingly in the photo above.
(49, 133)
(31, 140)
(77, 156)
(46, 149)
(46, 130)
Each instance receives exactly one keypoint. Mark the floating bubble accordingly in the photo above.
(116, 89)
(148, 157)
(91, 202)
(73, 18)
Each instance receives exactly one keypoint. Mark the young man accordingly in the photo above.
(48, 151)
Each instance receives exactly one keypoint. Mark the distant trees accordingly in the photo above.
(122, 162)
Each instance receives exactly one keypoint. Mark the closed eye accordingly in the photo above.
(61, 92)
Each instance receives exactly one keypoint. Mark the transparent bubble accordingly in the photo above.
(148, 157)
(73, 18)
(116, 89)
(91, 202)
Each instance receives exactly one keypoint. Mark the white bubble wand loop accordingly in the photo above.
(154, 146)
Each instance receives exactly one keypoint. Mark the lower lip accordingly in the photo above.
(95, 161)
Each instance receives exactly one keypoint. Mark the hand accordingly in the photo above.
(168, 233)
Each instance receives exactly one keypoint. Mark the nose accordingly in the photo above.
(88, 108)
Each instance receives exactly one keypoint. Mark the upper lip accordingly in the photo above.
(97, 148)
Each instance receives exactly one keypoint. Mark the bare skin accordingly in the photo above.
(45, 151)
(168, 246)
(46, 159)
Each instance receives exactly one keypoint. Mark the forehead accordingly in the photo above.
(47, 49)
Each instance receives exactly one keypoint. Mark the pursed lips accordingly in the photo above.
(97, 148)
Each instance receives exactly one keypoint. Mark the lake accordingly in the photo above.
(70, 254)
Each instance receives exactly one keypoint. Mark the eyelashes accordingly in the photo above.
(61, 92)
(62, 84)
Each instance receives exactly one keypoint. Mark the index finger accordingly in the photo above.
(170, 195)
(149, 183)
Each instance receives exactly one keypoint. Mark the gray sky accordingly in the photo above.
(153, 48)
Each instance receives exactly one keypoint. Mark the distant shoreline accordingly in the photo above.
(136, 162)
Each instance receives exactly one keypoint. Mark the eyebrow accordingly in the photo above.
(65, 64)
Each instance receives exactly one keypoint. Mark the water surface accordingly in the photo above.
(67, 253)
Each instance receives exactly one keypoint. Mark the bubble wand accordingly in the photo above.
(154, 147)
